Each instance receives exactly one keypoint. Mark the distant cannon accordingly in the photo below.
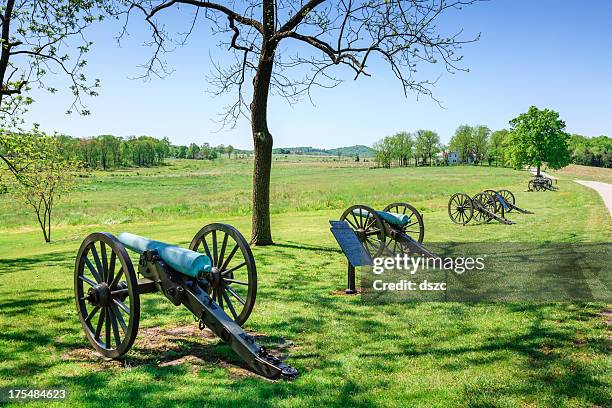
(541, 183)
(218, 286)
(483, 207)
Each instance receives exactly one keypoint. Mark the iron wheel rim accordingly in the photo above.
(110, 313)
(233, 271)
(508, 196)
(368, 227)
(460, 208)
(412, 213)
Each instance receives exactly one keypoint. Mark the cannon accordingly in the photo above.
(483, 207)
(398, 228)
(505, 202)
(364, 234)
(215, 279)
(541, 183)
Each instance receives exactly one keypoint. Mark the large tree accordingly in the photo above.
(427, 144)
(537, 137)
(480, 139)
(463, 142)
(404, 145)
(498, 144)
(317, 37)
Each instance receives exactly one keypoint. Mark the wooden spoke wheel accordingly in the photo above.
(415, 227)
(106, 293)
(483, 202)
(538, 185)
(460, 208)
(368, 227)
(508, 198)
(531, 186)
(499, 207)
(232, 282)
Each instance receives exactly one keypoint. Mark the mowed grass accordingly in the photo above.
(578, 172)
(349, 353)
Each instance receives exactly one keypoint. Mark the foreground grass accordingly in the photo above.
(349, 353)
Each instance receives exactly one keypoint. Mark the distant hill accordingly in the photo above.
(349, 151)
(361, 150)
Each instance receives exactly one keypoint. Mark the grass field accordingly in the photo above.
(577, 172)
(349, 353)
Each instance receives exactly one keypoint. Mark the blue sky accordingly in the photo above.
(553, 54)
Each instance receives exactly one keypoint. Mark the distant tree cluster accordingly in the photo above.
(594, 151)
(535, 138)
(111, 152)
(107, 152)
(404, 148)
(204, 152)
(471, 143)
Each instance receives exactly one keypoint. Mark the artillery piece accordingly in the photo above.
(364, 234)
(222, 279)
(541, 183)
(483, 207)
(398, 228)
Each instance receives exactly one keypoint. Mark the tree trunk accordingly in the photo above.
(261, 233)
(49, 222)
(6, 49)
(538, 172)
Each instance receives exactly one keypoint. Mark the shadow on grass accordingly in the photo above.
(297, 245)
(10, 265)
(544, 350)
(338, 340)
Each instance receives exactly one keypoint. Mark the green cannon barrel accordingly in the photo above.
(182, 260)
(392, 218)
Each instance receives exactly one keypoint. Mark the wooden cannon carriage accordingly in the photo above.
(215, 279)
(364, 234)
(483, 207)
(541, 183)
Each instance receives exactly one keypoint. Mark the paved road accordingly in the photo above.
(604, 190)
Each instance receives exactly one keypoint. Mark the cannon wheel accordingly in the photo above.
(415, 228)
(538, 185)
(460, 208)
(508, 196)
(233, 281)
(368, 227)
(531, 186)
(499, 208)
(106, 294)
(486, 202)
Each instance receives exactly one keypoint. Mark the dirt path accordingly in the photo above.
(604, 190)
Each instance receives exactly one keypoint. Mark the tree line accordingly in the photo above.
(405, 148)
(477, 144)
(107, 152)
(205, 151)
(593, 151)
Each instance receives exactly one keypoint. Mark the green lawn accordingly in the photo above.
(348, 352)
